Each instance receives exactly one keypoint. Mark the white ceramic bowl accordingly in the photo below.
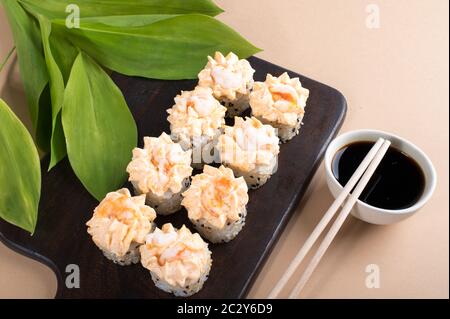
(365, 211)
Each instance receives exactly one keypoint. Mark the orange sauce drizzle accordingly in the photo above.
(115, 208)
(277, 96)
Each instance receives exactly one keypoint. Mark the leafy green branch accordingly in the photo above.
(76, 109)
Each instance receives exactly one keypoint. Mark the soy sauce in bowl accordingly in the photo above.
(397, 183)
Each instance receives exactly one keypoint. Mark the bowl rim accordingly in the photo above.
(425, 196)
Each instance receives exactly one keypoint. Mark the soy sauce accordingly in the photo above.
(397, 183)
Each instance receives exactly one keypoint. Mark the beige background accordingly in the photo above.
(395, 78)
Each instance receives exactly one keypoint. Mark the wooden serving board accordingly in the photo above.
(61, 238)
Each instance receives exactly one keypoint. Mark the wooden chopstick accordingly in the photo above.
(340, 219)
(373, 153)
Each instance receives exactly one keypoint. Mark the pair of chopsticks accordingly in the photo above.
(366, 170)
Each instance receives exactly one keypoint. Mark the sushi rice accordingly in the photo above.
(161, 171)
(280, 102)
(216, 203)
(179, 261)
(231, 81)
(196, 121)
(250, 149)
(119, 226)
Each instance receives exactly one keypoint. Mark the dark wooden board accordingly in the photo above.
(61, 238)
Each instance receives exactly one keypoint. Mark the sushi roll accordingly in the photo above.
(280, 102)
(161, 171)
(230, 79)
(196, 121)
(179, 261)
(119, 226)
(216, 203)
(250, 149)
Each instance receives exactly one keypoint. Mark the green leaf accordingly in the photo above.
(128, 21)
(58, 145)
(63, 52)
(163, 47)
(99, 128)
(60, 48)
(56, 9)
(20, 172)
(32, 66)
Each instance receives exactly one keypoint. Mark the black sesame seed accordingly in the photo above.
(259, 178)
(228, 224)
(293, 130)
(236, 109)
(251, 176)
